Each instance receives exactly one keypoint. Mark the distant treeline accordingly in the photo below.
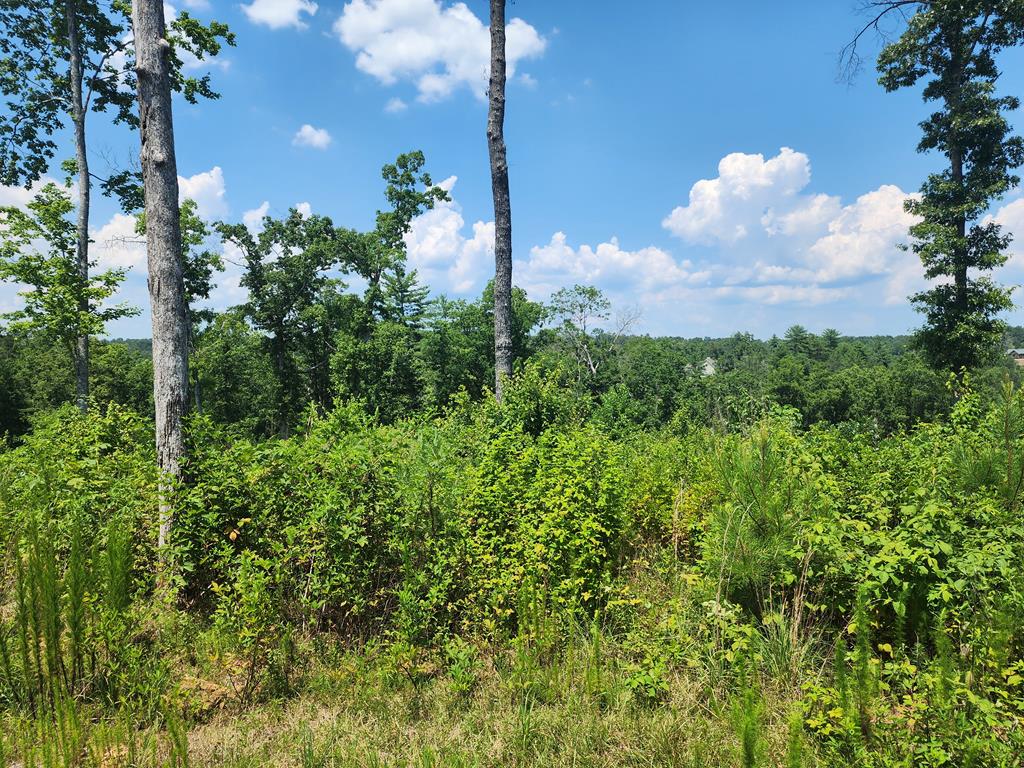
(419, 364)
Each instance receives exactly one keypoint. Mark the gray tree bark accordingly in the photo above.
(163, 246)
(502, 203)
(81, 349)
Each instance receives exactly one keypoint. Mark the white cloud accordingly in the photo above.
(304, 209)
(784, 294)
(20, 197)
(644, 271)
(208, 190)
(116, 244)
(253, 219)
(308, 136)
(1011, 218)
(395, 105)
(437, 46)
(750, 194)
(863, 240)
(447, 259)
(777, 243)
(279, 14)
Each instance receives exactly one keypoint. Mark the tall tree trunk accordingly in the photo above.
(81, 351)
(956, 163)
(502, 203)
(961, 256)
(192, 354)
(163, 248)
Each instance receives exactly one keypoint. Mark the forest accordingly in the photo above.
(351, 520)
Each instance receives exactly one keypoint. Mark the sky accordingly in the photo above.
(701, 164)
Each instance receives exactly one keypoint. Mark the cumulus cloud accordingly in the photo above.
(208, 191)
(608, 265)
(750, 194)
(863, 239)
(437, 46)
(308, 136)
(253, 219)
(116, 244)
(775, 242)
(20, 197)
(1011, 217)
(280, 14)
(446, 257)
(395, 105)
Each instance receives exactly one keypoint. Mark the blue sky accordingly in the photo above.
(700, 165)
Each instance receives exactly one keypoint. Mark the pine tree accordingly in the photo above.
(406, 301)
(952, 45)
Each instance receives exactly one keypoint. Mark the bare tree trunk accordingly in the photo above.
(502, 203)
(163, 247)
(960, 258)
(956, 162)
(81, 351)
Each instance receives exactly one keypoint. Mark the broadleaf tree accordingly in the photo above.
(198, 263)
(38, 249)
(61, 60)
(168, 307)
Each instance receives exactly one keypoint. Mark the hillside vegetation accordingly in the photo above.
(519, 584)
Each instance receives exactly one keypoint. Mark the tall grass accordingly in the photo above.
(69, 627)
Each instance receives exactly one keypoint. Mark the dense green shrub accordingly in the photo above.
(875, 578)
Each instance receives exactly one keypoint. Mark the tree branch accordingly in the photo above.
(849, 58)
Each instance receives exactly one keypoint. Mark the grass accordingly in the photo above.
(355, 721)
(551, 699)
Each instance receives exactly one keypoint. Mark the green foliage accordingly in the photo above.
(60, 302)
(73, 636)
(953, 47)
(233, 379)
(754, 544)
(871, 580)
(35, 75)
(381, 370)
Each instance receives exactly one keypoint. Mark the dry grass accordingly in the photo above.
(366, 723)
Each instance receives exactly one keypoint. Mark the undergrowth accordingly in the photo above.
(517, 585)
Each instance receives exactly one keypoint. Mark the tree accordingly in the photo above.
(61, 59)
(198, 264)
(303, 311)
(163, 248)
(239, 386)
(380, 370)
(457, 349)
(576, 311)
(405, 301)
(502, 203)
(62, 301)
(410, 191)
(952, 46)
(293, 301)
